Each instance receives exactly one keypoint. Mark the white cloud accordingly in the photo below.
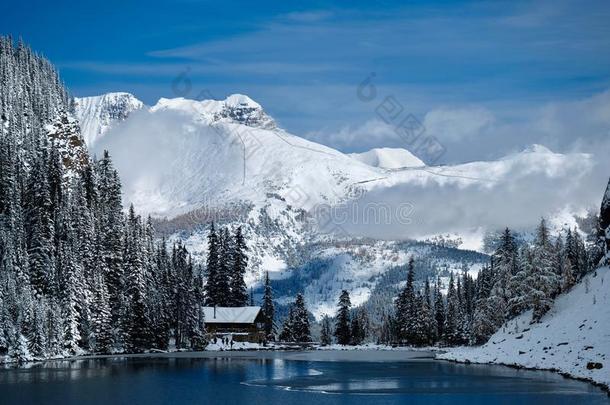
(458, 123)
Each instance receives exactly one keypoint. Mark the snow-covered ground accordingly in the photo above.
(573, 338)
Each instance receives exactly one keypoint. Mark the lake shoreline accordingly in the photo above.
(372, 355)
(600, 385)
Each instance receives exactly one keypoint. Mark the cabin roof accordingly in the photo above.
(231, 314)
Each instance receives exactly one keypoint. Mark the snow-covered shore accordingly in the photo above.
(573, 338)
(358, 355)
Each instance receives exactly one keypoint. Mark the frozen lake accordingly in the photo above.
(321, 377)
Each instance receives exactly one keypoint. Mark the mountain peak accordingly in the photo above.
(388, 158)
(236, 100)
(97, 114)
(236, 108)
(242, 109)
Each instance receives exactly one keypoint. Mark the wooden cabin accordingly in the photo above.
(241, 324)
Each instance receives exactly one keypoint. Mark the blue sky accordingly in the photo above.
(484, 77)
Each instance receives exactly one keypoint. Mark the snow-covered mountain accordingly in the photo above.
(98, 114)
(192, 162)
(237, 109)
(200, 153)
(388, 158)
(573, 337)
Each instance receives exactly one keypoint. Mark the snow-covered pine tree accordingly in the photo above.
(300, 326)
(387, 332)
(451, 328)
(496, 289)
(604, 226)
(359, 326)
(238, 262)
(563, 267)
(543, 280)
(72, 289)
(580, 256)
(405, 306)
(225, 265)
(139, 335)
(463, 322)
(439, 310)
(428, 315)
(419, 327)
(469, 292)
(287, 334)
(342, 325)
(197, 338)
(211, 287)
(110, 233)
(187, 300)
(268, 308)
(520, 300)
(572, 253)
(326, 332)
(101, 316)
(40, 226)
(504, 261)
(160, 301)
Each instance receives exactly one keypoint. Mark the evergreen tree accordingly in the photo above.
(300, 326)
(563, 267)
(439, 310)
(387, 333)
(212, 293)
(239, 262)
(428, 316)
(39, 222)
(451, 332)
(287, 334)
(520, 301)
(101, 316)
(359, 326)
(406, 307)
(342, 326)
(110, 233)
(326, 333)
(72, 298)
(604, 226)
(542, 280)
(225, 244)
(572, 254)
(268, 308)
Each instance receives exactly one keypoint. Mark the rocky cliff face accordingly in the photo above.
(98, 114)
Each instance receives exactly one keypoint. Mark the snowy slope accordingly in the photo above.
(97, 114)
(227, 150)
(573, 334)
(388, 158)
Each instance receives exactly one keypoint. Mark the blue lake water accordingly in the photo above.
(285, 378)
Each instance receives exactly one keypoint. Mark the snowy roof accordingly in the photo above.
(231, 314)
